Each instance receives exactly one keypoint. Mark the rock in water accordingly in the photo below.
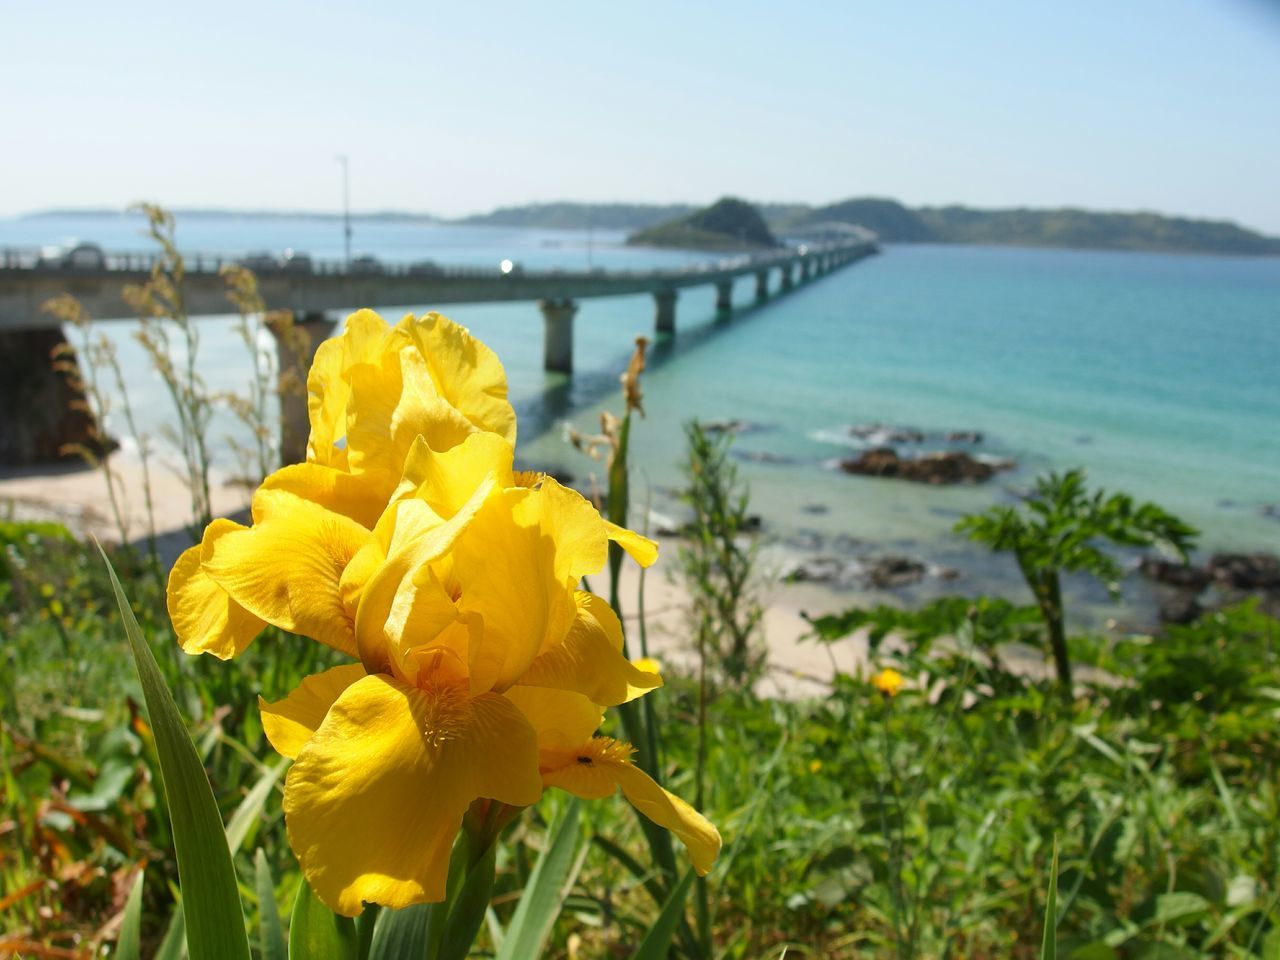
(892, 571)
(1246, 571)
(945, 467)
(1181, 575)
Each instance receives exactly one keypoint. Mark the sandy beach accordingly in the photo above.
(76, 496)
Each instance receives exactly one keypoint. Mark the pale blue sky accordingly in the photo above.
(1168, 105)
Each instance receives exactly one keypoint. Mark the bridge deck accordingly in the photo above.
(25, 284)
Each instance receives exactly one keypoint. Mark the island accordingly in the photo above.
(729, 224)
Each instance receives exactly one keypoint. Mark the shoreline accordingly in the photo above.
(798, 665)
(74, 495)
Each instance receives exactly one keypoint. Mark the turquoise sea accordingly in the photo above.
(1159, 372)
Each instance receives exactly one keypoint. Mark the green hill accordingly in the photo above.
(1066, 227)
(728, 224)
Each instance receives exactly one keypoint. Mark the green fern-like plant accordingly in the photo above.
(1064, 526)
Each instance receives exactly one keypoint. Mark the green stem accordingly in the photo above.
(1051, 607)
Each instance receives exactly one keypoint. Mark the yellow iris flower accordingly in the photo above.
(481, 672)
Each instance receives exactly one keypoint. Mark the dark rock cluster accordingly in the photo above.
(941, 467)
(1225, 577)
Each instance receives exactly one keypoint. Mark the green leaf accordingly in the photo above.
(401, 933)
(214, 914)
(316, 932)
(1179, 908)
(270, 932)
(174, 945)
(657, 942)
(467, 909)
(548, 885)
(1049, 943)
(129, 946)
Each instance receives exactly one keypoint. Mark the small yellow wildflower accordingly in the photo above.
(815, 766)
(648, 664)
(888, 681)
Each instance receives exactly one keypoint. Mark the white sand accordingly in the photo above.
(76, 497)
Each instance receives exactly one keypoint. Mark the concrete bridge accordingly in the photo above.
(317, 292)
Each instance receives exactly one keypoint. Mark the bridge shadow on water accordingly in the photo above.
(563, 396)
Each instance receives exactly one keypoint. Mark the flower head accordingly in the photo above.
(888, 681)
(480, 672)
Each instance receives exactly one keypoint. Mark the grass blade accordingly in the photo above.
(401, 933)
(549, 884)
(250, 809)
(1049, 944)
(316, 932)
(174, 944)
(129, 946)
(270, 932)
(657, 942)
(214, 914)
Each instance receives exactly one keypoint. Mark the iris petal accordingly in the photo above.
(466, 372)
(375, 798)
(589, 659)
(287, 569)
(447, 480)
(562, 719)
(290, 723)
(595, 769)
(204, 617)
(335, 490)
(641, 549)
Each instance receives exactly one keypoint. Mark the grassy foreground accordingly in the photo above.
(856, 824)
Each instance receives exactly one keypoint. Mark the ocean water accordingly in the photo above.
(1159, 373)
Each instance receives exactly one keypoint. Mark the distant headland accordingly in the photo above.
(728, 224)
(894, 222)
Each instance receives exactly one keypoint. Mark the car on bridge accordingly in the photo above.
(366, 266)
(73, 256)
(261, 262)
(425, 268)
(294, 261)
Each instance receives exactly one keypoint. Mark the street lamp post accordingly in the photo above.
(346, 210)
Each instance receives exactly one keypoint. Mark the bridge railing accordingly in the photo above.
(128, 261)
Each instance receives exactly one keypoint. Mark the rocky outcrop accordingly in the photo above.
(1245, 571)
(1180, 575)
(889, 572)
(944, 467)
(1228, 577)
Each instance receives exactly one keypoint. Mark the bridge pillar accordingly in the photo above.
(664, 317)
(808, 269)
(297, 341)
(45, 412)
(788, 271)
(762, 286)
(557, 327)
(724, 296)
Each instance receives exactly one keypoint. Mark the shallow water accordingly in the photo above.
(1157, 372)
